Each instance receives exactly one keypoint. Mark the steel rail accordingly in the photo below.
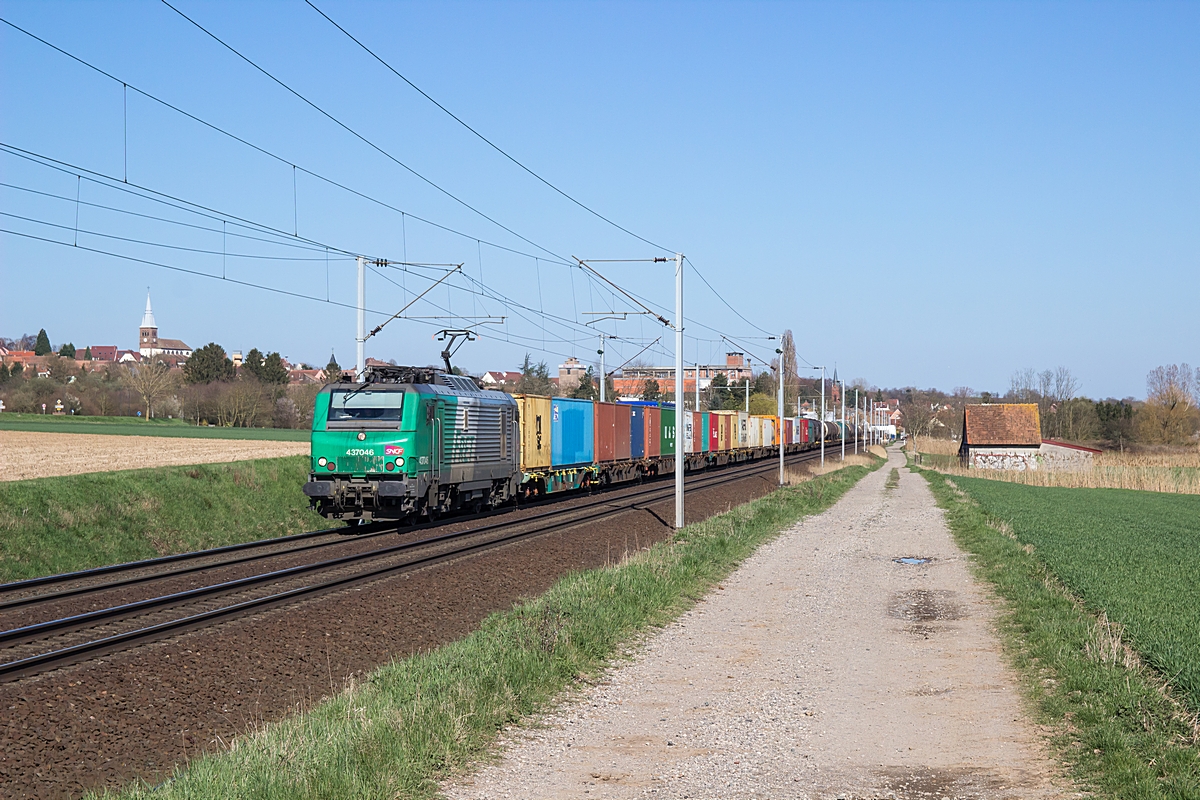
(63, 577)
(41, 629)
(566, 518)
(378, 528)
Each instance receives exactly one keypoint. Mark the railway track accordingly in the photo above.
(59, 641)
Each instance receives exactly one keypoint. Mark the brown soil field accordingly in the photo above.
(42, 455)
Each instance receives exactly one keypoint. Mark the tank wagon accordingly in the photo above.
(414, 443)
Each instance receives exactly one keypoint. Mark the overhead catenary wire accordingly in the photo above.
(148, 243)
(362, 138)
(150, 194)
(180, 223)
(264, 151)
(483, 138)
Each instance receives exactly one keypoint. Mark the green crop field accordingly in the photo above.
(75, 522)
(132, 426)
(1134, 555)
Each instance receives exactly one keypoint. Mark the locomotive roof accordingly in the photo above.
(464, 388)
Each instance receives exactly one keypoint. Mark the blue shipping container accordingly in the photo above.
(572, 432)
(705, 439)
(637, 432)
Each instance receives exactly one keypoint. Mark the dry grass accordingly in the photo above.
(1175, 472)
(833, 462)
(937, 447)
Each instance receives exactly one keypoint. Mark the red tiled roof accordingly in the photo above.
(1015, 424)
(102, 352)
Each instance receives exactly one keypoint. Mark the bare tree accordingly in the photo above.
(1169, 416)
(239, 404)
(152, 380)
(1023, 385)
(1170, 386)
(791, 373)
(1065, 385)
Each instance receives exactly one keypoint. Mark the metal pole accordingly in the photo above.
(822, 418)
(857, 423)
(678, 390)
(361, 339)
(747, 395)
(697, 387)
(602, 380)
(843, 420)
(779, 421)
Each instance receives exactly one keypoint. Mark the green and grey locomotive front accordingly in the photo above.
(402, 450)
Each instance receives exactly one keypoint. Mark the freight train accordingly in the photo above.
(413, 442)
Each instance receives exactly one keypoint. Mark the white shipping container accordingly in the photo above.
(754, 432)
(743, 429)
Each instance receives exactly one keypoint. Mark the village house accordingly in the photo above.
(1001, 436)
(499, 378)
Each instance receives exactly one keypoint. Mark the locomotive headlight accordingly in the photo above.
(332, 466)
(322, 461)
(362, 436)
(390, 466)
(400, 461)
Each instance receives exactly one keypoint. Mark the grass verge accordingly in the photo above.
(1116, 722)
(421, 719)
(75, 522)
(129, 426)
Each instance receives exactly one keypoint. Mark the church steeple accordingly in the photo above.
(148, 317)
(148, 332)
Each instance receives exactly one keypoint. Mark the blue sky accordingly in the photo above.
(930, 194)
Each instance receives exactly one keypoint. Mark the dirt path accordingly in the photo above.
(40, 455)
(822, 668)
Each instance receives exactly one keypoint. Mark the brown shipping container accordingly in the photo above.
(723, 432)
(623, 419)
(606, 432)
(535, 431)
(653, 420)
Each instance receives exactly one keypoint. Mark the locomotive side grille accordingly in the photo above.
(475, 433)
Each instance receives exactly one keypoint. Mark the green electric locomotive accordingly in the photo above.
(411, 442)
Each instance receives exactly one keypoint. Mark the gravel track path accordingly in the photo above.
(821, 669)
(40, 455)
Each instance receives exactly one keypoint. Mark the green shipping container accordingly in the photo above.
(667, 432)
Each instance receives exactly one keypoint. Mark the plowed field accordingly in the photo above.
(41, 455)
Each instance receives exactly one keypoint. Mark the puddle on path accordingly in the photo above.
(912, 560)
(942, 784)
(923, 605)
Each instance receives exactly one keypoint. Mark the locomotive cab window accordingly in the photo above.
(349, 408)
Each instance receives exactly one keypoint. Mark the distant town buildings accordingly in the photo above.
(736, 369)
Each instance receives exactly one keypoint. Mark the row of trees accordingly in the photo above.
(1168, 416)
(207, 390)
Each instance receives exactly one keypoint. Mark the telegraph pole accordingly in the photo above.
(843, 393)
(678, 390)
(602, 381)
(779, 423)
(857, 423)
(822, 418)
(361, 338)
